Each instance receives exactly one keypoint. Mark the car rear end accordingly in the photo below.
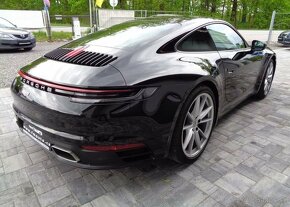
(82, 111)
(76, 102)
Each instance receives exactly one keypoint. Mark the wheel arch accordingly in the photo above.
(214, 89)
(260, 79)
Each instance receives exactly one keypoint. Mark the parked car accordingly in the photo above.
(12, 37)
(139, 90)
(284, 38)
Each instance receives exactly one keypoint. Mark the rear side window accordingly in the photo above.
(170, 46)
(198, 40)
(225, 38)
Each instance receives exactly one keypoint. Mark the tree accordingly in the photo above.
(246, 13)
(234, 12)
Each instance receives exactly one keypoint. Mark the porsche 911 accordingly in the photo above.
(141, 90)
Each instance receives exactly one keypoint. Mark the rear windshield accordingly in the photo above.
(127, 35)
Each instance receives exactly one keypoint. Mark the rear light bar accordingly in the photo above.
(39, 83)
(108, 148)
(86, 96)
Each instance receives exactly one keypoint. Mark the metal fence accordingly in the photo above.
(104, 18)
(107, 18)
(60, 20)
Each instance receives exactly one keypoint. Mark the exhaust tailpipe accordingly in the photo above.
(65, 154)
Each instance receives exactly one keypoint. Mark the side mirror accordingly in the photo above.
(258, 45)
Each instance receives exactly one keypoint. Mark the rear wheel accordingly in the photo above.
(267, 81)
(194, 126)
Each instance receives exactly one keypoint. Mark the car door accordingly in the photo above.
(241, 64)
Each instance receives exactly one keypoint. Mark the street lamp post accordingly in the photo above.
(46, 4)
(91, 16)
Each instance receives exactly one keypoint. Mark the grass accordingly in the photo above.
(60, 24)
(83, 24)
(55, 36)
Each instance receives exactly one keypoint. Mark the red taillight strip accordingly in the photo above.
(104, 148)
(67, 88)
(74, 52)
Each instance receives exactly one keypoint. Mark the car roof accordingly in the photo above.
(140, 32)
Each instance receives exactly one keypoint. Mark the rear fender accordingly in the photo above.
(200, 81)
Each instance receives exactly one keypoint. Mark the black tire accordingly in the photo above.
(262, 93)
(176, 151)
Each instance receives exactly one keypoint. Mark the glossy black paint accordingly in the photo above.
(233, 75)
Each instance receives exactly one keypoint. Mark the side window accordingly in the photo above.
(170, 46)
(199, 40)
(225, 38)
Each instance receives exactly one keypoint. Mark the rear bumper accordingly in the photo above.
(69, 126)
(68, 149)
(17, 44)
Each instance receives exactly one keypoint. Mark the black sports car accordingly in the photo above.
(12, 37)
(139, 90)
(284, 38)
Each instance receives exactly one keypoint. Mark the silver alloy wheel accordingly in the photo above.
(197, 125)
(268, 78)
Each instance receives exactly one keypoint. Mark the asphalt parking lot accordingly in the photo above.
(12, 61)
(246, 163)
